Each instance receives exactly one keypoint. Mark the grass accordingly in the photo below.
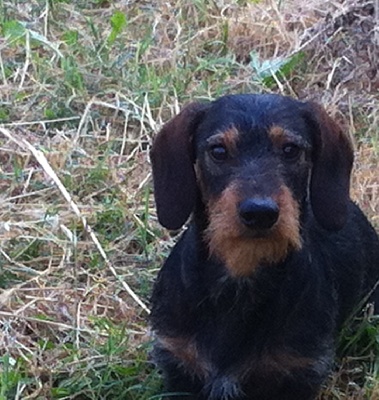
(84, 87)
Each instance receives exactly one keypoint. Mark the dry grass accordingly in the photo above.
(82, 93)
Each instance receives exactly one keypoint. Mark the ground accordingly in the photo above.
(84, 87)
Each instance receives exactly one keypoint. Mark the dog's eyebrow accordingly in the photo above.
(280, 136)
(228, 137)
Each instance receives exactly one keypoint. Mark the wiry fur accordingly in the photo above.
(275, 257)
(241, 254)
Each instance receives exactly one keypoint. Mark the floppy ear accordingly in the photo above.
(332, 163)
(173, 172)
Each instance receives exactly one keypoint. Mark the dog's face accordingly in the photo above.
(253, 172)
(254, 160)
(256, 149)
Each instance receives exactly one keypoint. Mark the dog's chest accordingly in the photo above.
(228, 369)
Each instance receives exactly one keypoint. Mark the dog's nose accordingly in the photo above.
(259, 213)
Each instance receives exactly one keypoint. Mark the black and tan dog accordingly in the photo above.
(275, 256)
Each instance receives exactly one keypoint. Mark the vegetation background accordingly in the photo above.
(84, 86)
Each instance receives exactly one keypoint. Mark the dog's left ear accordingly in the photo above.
(333, 158)
(174, 176)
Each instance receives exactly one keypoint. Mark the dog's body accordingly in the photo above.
(275, 257)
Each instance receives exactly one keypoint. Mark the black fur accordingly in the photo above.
(269, 334)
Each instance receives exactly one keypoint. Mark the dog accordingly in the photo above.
(275, 257)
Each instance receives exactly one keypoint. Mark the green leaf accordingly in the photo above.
(267, 70)
(13, 30)
(118, 23)
(70, 37)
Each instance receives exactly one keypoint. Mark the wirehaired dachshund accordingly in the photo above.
(275, 257)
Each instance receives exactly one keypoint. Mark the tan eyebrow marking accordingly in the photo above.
(278, 135)
(229, 138)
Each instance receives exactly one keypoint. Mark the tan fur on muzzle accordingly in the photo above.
(229, 240)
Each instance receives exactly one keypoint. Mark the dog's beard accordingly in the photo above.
(240, 248)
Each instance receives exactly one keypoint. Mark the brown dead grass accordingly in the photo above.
(365, 184)
(57, 285)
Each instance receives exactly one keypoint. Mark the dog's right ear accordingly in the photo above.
(173, 172)
(332, 163)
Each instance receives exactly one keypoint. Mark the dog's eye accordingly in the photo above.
(218, 152)
(291, 151)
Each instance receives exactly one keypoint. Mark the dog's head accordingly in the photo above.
(254, 161)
